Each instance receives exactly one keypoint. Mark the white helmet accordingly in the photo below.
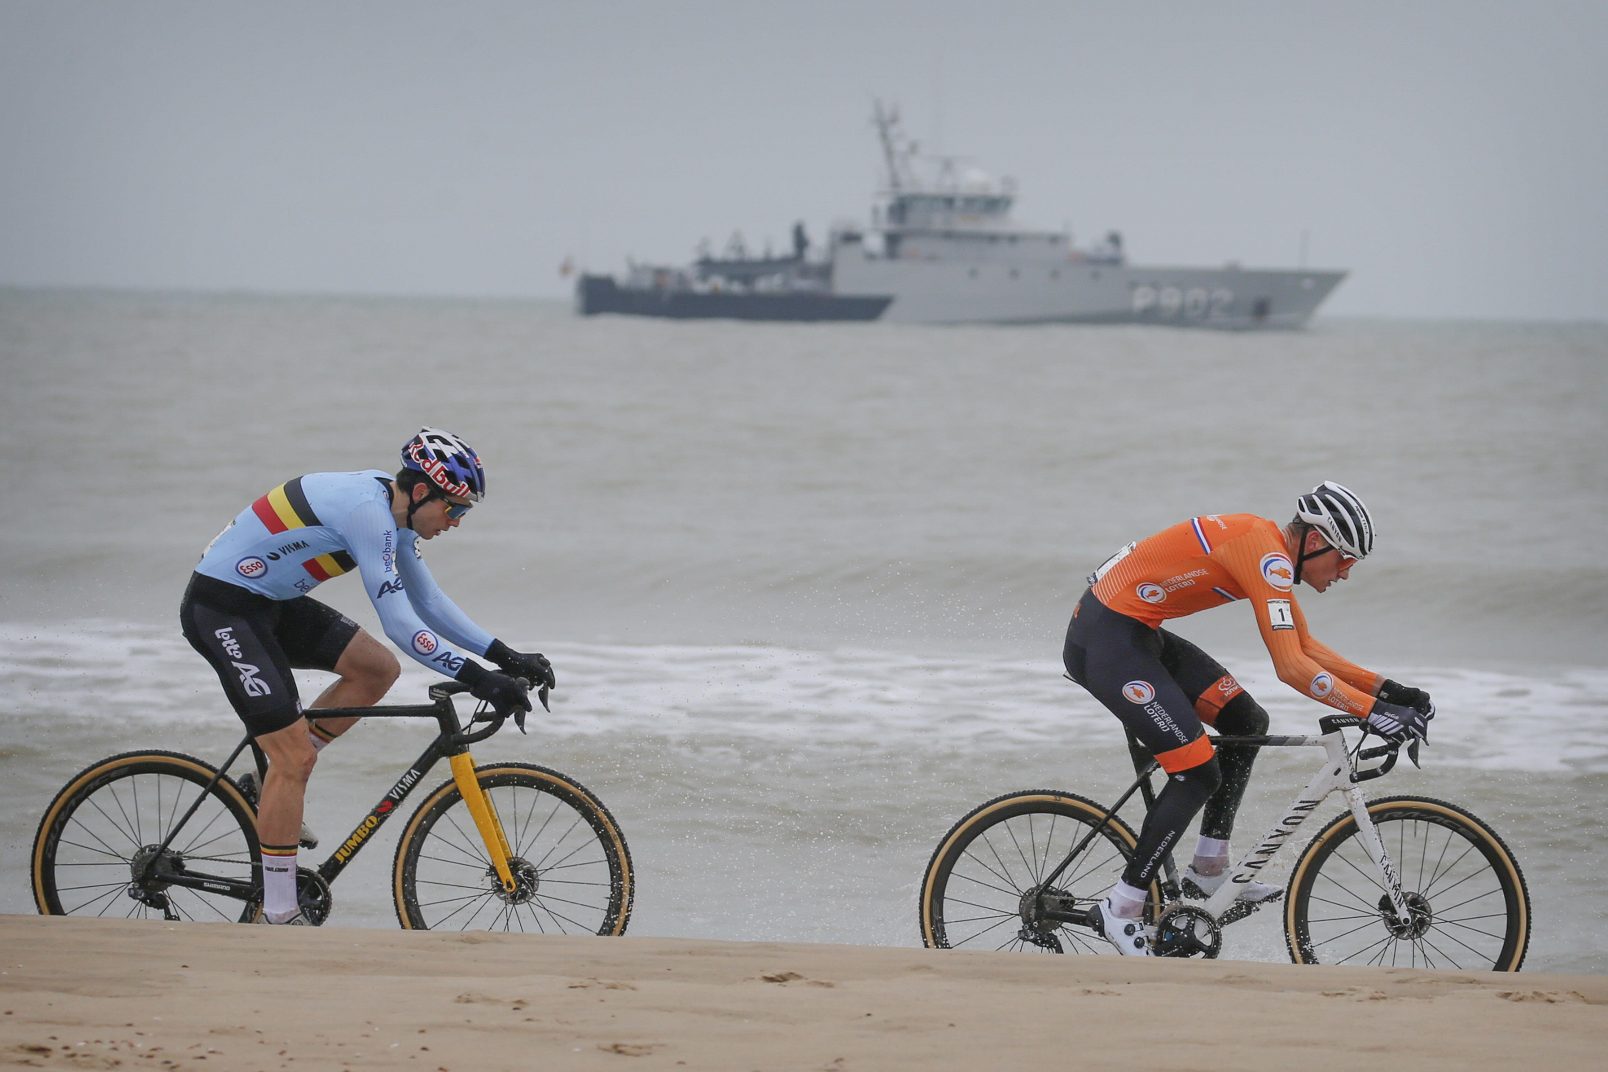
(1336, 512)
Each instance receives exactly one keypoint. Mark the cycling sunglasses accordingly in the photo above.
(454, 510)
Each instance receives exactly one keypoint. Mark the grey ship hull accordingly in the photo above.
(950, 292)
(957, 292)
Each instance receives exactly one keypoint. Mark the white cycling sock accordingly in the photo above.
(1211, 856)
(1127, 901)
(320, 737)
(279, 882)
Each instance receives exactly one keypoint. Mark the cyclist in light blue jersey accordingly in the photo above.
(248, 612)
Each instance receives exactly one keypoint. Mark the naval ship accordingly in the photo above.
(943, 248)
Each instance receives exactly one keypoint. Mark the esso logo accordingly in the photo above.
(1139, 692)
(251, 567)
(424, 642)
(1277, 571)
(1151, 593)
(1321, 685)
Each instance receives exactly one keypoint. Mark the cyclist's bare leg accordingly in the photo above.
(290, 763)
(366, 671)
(291, 757)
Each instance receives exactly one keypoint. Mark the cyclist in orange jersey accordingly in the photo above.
(1166, 690)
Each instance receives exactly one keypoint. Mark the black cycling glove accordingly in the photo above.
(1397, 723)
(505, 695)
(1395, 692)
(533, 667)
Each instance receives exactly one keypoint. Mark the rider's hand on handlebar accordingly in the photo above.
(532, 666)
(505, 695)
(1394, 692)
(1397, 723)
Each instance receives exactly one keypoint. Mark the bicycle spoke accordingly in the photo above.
(1465, 910)
(1010, 886)
(973, 895)
(986, 930)
(123, 809)
(1442, 872)
(565, 874)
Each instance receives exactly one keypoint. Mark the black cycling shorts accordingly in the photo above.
(1161, 686)
(253, 642)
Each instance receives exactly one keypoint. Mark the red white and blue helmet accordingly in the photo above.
(451, 464)
(1334, 510)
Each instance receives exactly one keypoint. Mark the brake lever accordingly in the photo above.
(1412, 752)
(541, 694)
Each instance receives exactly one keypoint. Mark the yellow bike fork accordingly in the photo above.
(485, 815)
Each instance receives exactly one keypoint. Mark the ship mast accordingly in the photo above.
(887, 123)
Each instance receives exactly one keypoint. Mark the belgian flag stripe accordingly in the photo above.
(332, 565)
(285, 508)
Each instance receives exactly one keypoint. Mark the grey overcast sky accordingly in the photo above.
(1453, 154)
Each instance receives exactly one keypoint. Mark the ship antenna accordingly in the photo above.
(887, 121)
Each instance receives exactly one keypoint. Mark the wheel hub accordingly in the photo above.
(527, 880)
(146, 884)
(148, 866)
(1419, 916)
(1035, 909)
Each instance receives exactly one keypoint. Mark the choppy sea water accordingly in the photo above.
(805, 586)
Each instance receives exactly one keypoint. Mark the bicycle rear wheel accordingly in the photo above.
(570, 861)
(976, 890)
(102, 833)
(1469, 904)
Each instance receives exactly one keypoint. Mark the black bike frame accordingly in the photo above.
(449, 742)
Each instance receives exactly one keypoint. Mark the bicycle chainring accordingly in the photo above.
(313, 893)
(1185, 930)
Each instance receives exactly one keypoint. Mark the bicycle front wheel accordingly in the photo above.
(1468, 903)
(98, 851)
(976, 891)
(570, 862)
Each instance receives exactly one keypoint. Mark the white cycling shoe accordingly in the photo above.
(1130, 936)
(1201, 886)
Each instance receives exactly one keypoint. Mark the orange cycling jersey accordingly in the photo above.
(1215, 559)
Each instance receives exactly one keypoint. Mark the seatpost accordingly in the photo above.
(1143, 764)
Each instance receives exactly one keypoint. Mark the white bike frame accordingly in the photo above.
(1334, 776)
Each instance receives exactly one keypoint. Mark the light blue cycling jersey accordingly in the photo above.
(321, 525)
